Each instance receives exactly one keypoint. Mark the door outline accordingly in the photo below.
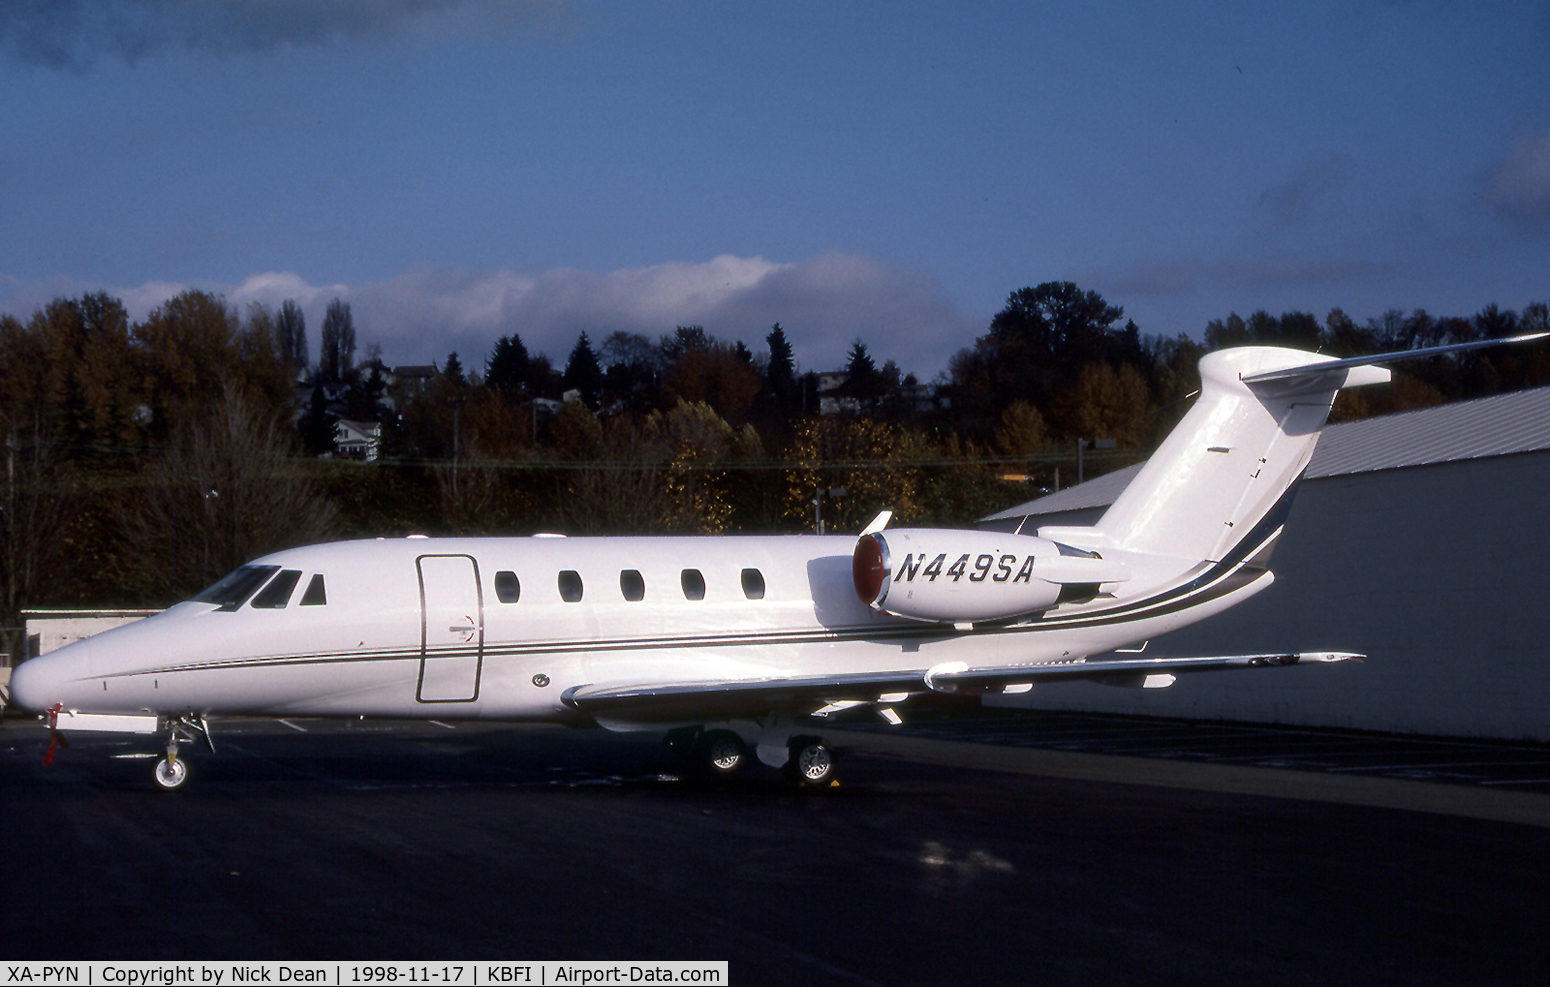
(448, 674)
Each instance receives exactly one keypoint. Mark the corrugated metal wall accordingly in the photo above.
(1440, 573)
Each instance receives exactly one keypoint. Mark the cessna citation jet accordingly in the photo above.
(731, 643)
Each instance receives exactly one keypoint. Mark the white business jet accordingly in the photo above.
(731, 643)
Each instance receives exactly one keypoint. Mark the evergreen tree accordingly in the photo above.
(781, 372)
(583, 373)
(507, 369)
(317, 427)
(863, 382)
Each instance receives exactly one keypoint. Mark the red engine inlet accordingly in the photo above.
(869, 569)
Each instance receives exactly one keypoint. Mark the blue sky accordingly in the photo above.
(459, 170)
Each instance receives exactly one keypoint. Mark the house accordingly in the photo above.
(357, 440)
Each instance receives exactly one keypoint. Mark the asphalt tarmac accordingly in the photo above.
(934, 861)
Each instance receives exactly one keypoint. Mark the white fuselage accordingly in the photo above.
(500, 628)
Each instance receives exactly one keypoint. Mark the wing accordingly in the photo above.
(1149, 673)
(679, 702)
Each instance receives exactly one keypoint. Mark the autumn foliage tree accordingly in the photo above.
(685, 432)
(225, 490)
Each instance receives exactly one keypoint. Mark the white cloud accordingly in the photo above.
(824, 304)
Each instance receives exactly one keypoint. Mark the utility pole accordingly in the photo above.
(7, 531)
(818, 495)
(1097, 444)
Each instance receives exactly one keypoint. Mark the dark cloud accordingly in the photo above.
(1518, 186)
(75, 34)
(1298, 198)
(1166, 277)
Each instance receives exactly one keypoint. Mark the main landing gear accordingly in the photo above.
(171, 772)
(720, 753)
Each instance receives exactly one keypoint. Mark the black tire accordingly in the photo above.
(812, 762)
(722, 753)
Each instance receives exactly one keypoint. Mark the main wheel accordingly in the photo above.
(722, 752)
(811, 762)
(170, 775)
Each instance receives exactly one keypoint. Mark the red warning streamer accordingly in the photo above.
(55, 739)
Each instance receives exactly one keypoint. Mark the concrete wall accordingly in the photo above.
(48, 633)
(1441, 574)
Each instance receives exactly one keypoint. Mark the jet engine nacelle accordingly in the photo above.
(958, 576)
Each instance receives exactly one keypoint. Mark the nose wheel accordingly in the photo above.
(170, 773)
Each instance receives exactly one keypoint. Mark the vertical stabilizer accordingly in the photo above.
(1234, 457)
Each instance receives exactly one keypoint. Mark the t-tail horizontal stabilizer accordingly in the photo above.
(1377, 358)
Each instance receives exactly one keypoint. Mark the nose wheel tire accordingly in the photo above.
(170, 774)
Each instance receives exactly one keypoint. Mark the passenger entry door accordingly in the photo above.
(451, 629)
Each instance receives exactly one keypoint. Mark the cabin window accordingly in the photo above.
(694, 584)
(278, 593)
(753, 584)
(570, 586)
(315, 596)
(234, 588)
(632, 585)
(508, 589)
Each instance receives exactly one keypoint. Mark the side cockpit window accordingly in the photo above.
(315, 596)
(278, 593)
(234, 589)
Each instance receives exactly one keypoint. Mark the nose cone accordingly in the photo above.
(31, 684)
(62, 676)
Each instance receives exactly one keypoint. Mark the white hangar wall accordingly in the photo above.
(1439, 573)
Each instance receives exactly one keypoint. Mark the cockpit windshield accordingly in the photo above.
(234, 589)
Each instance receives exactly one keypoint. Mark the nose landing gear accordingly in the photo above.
(171, 772)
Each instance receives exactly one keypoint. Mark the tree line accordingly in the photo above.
(144, 458)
